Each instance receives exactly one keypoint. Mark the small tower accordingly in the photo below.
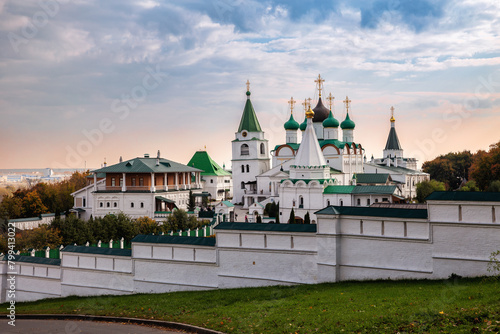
(250, 154)
(331, 125)
(291, 126)
(347, 125)
(393, 147)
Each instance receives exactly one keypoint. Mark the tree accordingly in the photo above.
(146, 225)
(486, 167)
(451, 168)
(494, 186)
(291, 220)
(469, 186)
(426, 188)
(32, 205)
(191, 205)
(307, 218)
(38, 238)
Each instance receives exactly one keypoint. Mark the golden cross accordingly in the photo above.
(319, 82)
(291, 103)
(392, 111)
(305, 104)
(309, 102)
(330, 99)
(347, 101)
(248, 85)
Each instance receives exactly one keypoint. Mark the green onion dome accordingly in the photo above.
(347, 124)
(330, 122)
(291, 124)
(303, 125)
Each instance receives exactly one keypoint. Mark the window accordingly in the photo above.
(211, 180)
(385, 199)
(328, 202)
(359, 201)
(368, 202)
(101, 204)
(262, 148)
(242, 185)
(141, 182)
(301, 202)
(341, 203)
(115, 204)
(245, 150)
(142, 205)
(113, 183)
(133, 182)
(248, 169)
(108, 204)
(376, 200)
(121, 181)
(85, 203)
(132, 204)
(242, 168)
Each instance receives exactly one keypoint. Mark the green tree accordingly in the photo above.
(426, 188)
(291, 220)
(38, 238)
(307, 218)
(191, 205)
(33, 205)
(485, 167)
(451, 168)
(469, 186)
(494, 186)
(146, 225)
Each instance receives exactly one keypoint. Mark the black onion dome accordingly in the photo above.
(320, 112)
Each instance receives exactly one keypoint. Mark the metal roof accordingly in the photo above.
(392, 140)
(203, 161)
(34, 259)
(374, 212)
(97, 250)
(147, 165)
(464, 196)
(382, 190)
(311, 228)
(372, 177)
(249, 120)
(167, 239)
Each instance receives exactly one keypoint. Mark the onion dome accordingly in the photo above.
(320, 112)
(303, 125)
(309, 113)
(291, 124)
(330, 122)
(347, 124)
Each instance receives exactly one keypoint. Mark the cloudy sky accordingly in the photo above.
(85, 80)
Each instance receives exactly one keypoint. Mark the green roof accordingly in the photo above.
(374, 212)
(228, 204)
(464, 196)
(347, 124)
(34, 259)
(372, 177)
(303, 125)
(249, 120)
(291, 124)
(330, 122)
(203, 161)
(311, 228)
(167, 239)
(393, 141)
(98, 250)
(147, 165)
(18, 220)
(379, 190)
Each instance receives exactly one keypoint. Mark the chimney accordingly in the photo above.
(121, 159)
(158, 155)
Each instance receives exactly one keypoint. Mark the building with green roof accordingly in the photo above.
(215, 179)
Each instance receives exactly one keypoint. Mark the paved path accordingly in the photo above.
(25, 326)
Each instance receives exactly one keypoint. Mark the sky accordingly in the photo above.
(84, 81)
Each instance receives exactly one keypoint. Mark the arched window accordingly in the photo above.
(108, 204)
(248, 169)
(115, 204)
(242, 185)
(132, 204)
(243, 168)
(301, 202)
(341, 203)
(262, 148)
(359, 201)
(245, 150)
(327, 202)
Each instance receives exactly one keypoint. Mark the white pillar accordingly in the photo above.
(95, 181)
(176, 181)
(165, 182)
(124, 184)
(153, 188)
(122, 241)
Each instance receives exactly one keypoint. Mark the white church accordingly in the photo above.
(320, 170)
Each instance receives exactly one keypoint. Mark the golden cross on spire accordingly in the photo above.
(392, 111)
(330, 99)
(292, 104)
(248, 85)
(319, 82)
(305, 104)
(347, 101)
(309, 101)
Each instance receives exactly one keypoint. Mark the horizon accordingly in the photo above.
(86, 82)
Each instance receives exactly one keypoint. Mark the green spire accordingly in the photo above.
(249, 120)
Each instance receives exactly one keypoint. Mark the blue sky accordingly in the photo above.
(81, 81)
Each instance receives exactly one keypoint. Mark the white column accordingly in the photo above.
(176, 181)
(124, 184)
(153, 188)
(165, 182)
(95, 181)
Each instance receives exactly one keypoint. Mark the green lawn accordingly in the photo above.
(458, 306)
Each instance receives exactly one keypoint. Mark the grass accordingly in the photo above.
(410, 306)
